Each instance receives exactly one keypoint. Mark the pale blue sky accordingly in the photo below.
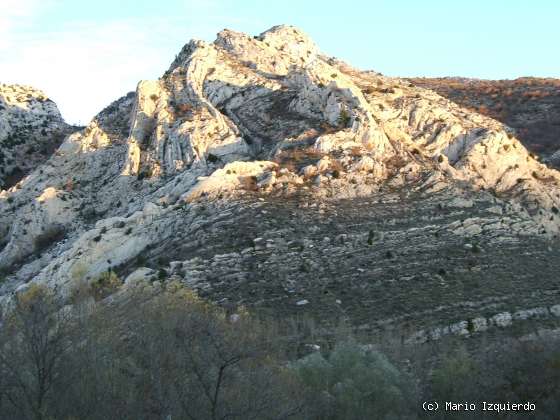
(84, 54)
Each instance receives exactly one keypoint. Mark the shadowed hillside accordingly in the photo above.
(530, 105)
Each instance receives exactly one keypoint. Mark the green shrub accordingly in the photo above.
(507, 371)
(452, 380)
(343, 118)
(371, 237)
(355, 382)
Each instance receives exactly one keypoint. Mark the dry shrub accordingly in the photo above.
(104, 285)
(50, 236)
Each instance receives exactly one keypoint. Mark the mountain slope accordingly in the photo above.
(529, 105)
(31, 128)
(261, 172)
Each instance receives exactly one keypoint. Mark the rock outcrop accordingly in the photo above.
(31, 128)
(260, 171)
(530, 105)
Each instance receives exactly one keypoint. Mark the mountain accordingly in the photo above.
(530, 105)
(261, 172)
(31, 128)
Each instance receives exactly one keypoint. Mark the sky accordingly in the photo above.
(85, 54)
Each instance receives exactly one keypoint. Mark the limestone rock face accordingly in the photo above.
(261, 153)
(78, 184)
(31, 127)
(175, 125)
(275, 51)
(529, 105)
(331, 96)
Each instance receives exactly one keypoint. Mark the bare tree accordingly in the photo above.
(202, 366)
(34, 338)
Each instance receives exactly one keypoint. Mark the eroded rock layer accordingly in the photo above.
(261, 172)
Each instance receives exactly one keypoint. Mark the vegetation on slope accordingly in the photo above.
(169, 354)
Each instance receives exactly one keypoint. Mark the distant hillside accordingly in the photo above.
(530, 105)
(31, 128)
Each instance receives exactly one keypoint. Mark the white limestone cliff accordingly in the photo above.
(244, 114)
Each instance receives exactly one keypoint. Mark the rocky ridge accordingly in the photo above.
(262, 172)
(529, 105)
(31, 128)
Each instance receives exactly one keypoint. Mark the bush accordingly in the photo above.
(356, 383)
(144, 173)
(51, 235)
(105, 285)
(212, 158)
(452, 380)
(371, 237)
(343, 118)
(508, 371)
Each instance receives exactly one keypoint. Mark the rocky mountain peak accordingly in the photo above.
(270, 118)
(275, 50)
